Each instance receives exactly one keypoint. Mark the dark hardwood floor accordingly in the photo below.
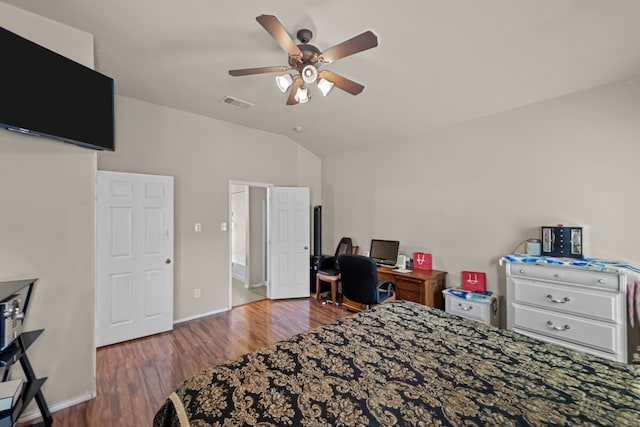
(135, 377)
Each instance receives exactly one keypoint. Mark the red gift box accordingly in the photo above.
(474, 281)
(421, 261)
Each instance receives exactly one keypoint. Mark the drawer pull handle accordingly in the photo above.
(465, 307)
(521, 271)
(557, 276)
(557, 301)
(558, 328)
(600, 280)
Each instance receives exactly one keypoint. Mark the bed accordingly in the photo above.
(403, 363)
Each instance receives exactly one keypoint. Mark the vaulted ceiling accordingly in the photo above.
(438, 62)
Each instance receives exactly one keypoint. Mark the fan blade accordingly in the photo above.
(356, 44)
(341, 82)
(277, 31)
(261, 70)
(292, 91)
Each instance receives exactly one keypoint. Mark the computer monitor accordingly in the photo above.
(384, 251)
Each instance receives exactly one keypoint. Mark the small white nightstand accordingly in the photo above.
(481, 310)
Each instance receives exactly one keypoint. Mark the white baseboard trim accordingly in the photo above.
(186, 319)
(29, 416)
(256, 285)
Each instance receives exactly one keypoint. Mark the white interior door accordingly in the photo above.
(134, 295)
(290, 239)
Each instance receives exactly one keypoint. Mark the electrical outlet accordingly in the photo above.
(198, 227)
(223, 226)
(196, 293)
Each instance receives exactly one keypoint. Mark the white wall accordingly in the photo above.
(47, 230)
(470, 193)
(203, 155)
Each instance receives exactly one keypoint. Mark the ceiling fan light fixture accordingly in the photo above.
(283, 82)
(304, 60)
(302, 95)
(325, 86)
(309, 74)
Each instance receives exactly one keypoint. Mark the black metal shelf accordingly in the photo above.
(17, 352)
(12, 353)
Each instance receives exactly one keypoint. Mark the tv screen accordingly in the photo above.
(43, 93)
(384, 251)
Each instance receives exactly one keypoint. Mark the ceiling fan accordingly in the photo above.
(306, 60)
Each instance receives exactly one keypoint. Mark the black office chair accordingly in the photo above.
(360, 284)
(345, 246)
(331, 273)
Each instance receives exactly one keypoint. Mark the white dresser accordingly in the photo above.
(579, 308)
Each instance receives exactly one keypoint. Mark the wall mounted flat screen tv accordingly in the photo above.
(43, 93)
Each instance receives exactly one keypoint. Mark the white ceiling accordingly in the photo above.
(438, 63)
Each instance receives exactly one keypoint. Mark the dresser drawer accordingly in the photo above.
(468, 309)
(584, 332)
(580, 301)
(408, 290)
(589, 278)
(474, 310)
(386, 276)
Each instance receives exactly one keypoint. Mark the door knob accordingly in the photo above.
(306, 247)
(167, 261)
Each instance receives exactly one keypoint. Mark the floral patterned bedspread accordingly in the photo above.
(406, 364)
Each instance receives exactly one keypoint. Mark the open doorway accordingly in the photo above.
(248, 242)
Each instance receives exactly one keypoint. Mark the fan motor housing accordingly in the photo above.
(310, 55)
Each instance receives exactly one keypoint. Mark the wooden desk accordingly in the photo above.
(421, 286)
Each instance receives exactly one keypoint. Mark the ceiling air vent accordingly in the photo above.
(237, 102)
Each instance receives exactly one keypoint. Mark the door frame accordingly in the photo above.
(233, 182)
